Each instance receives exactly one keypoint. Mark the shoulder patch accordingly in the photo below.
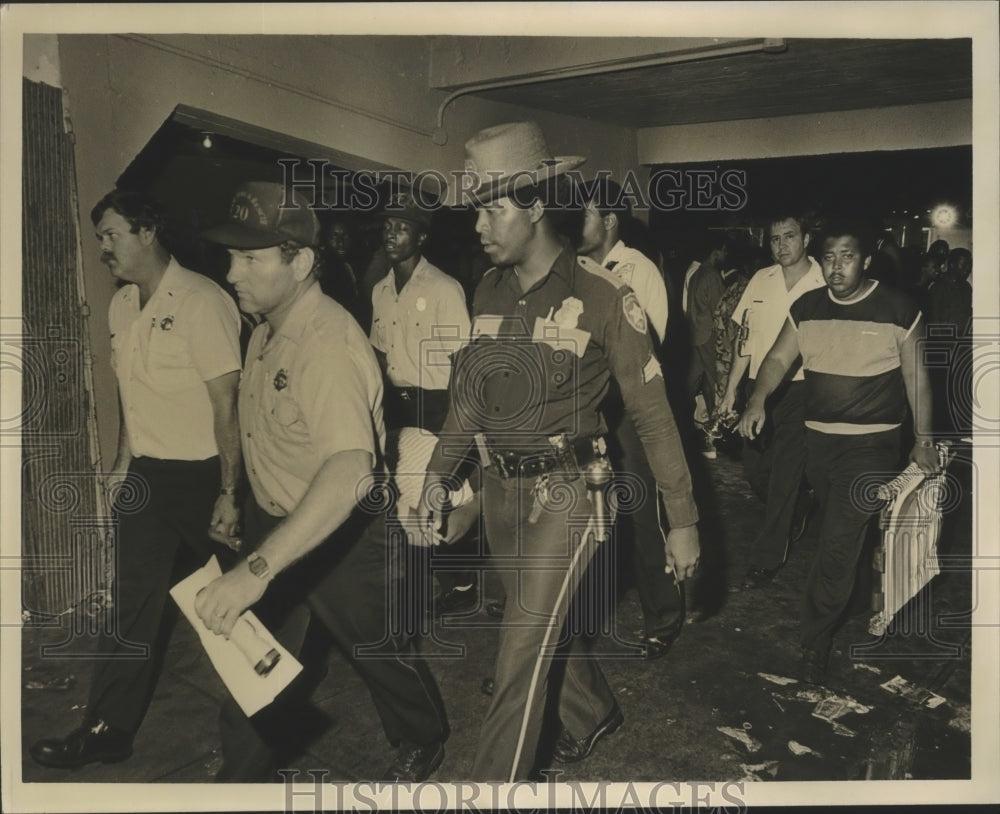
(633, 312)
(597, 269)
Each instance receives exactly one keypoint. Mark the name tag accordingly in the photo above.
(560, 337)
(487, 325)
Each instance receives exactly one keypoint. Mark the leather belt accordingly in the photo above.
(564, 454)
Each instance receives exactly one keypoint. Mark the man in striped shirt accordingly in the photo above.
(858, 340)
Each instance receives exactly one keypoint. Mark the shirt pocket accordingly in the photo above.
(168, 352)
(285, 411)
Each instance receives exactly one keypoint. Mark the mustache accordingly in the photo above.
(106, 256)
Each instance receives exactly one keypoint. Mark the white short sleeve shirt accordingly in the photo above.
(163, 353)
(765, 301)
(420, 327)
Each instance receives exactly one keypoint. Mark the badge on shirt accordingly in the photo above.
(559, 330)
(421, 304)
(281, 379)
(633, 312)
(569, 312)
(167, 323)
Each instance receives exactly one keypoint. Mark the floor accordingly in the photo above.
(721, 706)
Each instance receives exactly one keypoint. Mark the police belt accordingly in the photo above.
(564, 454)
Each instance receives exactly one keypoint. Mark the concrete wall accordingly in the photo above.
(364, 96)
(905, 127)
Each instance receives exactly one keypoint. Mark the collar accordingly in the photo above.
(563, 268)
(295, 323)
(616, 250)
(421, 271)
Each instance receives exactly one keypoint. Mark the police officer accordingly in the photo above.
(175, 350)
(661, 598)
(310, 410)
(549, 331)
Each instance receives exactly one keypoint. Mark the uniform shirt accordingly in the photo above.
(311, 390)
(420, 327)
(539, 364)
(851, 356)
(767, 300)
(640, 274)
(163, 353)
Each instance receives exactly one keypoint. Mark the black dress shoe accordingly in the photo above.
(454, 600)
(570, 750)
(654, 647)
(496, 608)
(94, 741)
(488, 686)
(414, 764)
(759, 577)
(813, 667)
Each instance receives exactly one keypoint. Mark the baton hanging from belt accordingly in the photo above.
(597, 475)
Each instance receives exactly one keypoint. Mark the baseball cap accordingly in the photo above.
(264, 213)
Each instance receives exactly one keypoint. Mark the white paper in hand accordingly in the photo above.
(252, 692)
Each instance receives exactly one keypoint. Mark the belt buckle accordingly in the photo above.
(404, 394)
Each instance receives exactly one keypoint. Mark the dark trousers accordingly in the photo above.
(540, 564)
(414, 407)
(660, 596)
(774, 465)
(701, 375)
(842, 470)
(351, 584)
(161, 506)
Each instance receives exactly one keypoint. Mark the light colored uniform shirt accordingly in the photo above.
(767, 300)
(187, 334)
(641, 274)
(308, 392)
(419, 328)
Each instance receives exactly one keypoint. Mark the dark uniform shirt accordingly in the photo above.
(539, 364)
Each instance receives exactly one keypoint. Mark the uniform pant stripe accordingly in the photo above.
(554, 625)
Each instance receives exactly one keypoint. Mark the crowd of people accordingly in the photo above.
(497, 406)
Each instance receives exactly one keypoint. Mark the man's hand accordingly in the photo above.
(725, 406)
(220, 603)
(424, 523)
(926, 457)
(752, 420)
(224, 527)
(682, 552)
(460, 520)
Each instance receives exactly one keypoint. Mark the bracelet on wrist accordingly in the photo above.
(228, 490)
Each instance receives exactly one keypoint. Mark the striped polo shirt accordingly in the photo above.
(851, 357)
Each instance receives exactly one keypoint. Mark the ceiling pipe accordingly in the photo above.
(767, 46)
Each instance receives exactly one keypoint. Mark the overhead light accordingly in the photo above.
(944, 216)
(206, 142)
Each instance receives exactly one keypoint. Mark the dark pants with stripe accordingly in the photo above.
(842, 469)
(774, 466)
(540, 564)
(162, 506)
(351, 584)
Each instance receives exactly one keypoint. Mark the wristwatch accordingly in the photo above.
(259, 567)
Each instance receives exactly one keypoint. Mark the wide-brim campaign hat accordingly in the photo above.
(263, 214)
(510, 156)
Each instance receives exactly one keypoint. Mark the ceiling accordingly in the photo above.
(809, 76)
